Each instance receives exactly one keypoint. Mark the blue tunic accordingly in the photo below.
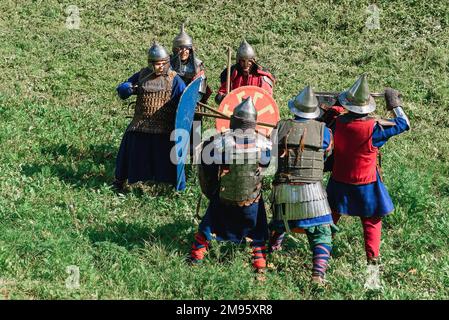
(279, 226)
(234, 223)
(146, 156)
(370, 199)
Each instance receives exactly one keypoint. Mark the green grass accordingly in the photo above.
(61, 125)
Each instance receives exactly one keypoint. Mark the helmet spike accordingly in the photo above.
(182, 39)
(305, 104)
(245, 51)
(358, 99)
(244, 115)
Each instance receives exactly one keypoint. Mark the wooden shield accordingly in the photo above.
(267, 109)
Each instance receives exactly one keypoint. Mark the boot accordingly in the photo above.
(321, 255)
(199, 248)
(259, 258)
(276, 239)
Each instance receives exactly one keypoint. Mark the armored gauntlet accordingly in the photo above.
(392, 98)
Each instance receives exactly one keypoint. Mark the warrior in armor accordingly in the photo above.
(233, 182)
(299, 201)
(355, 187)
(144, 153)
(246, 72)
(186, 64)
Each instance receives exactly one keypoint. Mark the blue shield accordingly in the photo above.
(183, 126)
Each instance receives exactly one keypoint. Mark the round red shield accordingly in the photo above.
(267, 109)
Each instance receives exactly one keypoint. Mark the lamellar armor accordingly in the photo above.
(241, 175)
(240, 155)
(154, 111)
(298, 192)
(300, 151)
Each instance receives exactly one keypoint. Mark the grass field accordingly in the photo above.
(61, 125)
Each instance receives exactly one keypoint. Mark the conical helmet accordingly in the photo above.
(245, 51)
(244, 115)
(182, 39)
(157, 53)
(358, 98)
(305, 104)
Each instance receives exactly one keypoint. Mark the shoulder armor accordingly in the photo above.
(282, 122)
(199, 63)
(268, 80)
(264, 72)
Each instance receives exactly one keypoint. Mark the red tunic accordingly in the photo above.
(257, 77)
(354, 154)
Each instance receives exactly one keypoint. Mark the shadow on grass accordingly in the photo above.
(88, 167)
(135, 235)
(174, 235)
(225, 252)
(161, 189)
(124, 234)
